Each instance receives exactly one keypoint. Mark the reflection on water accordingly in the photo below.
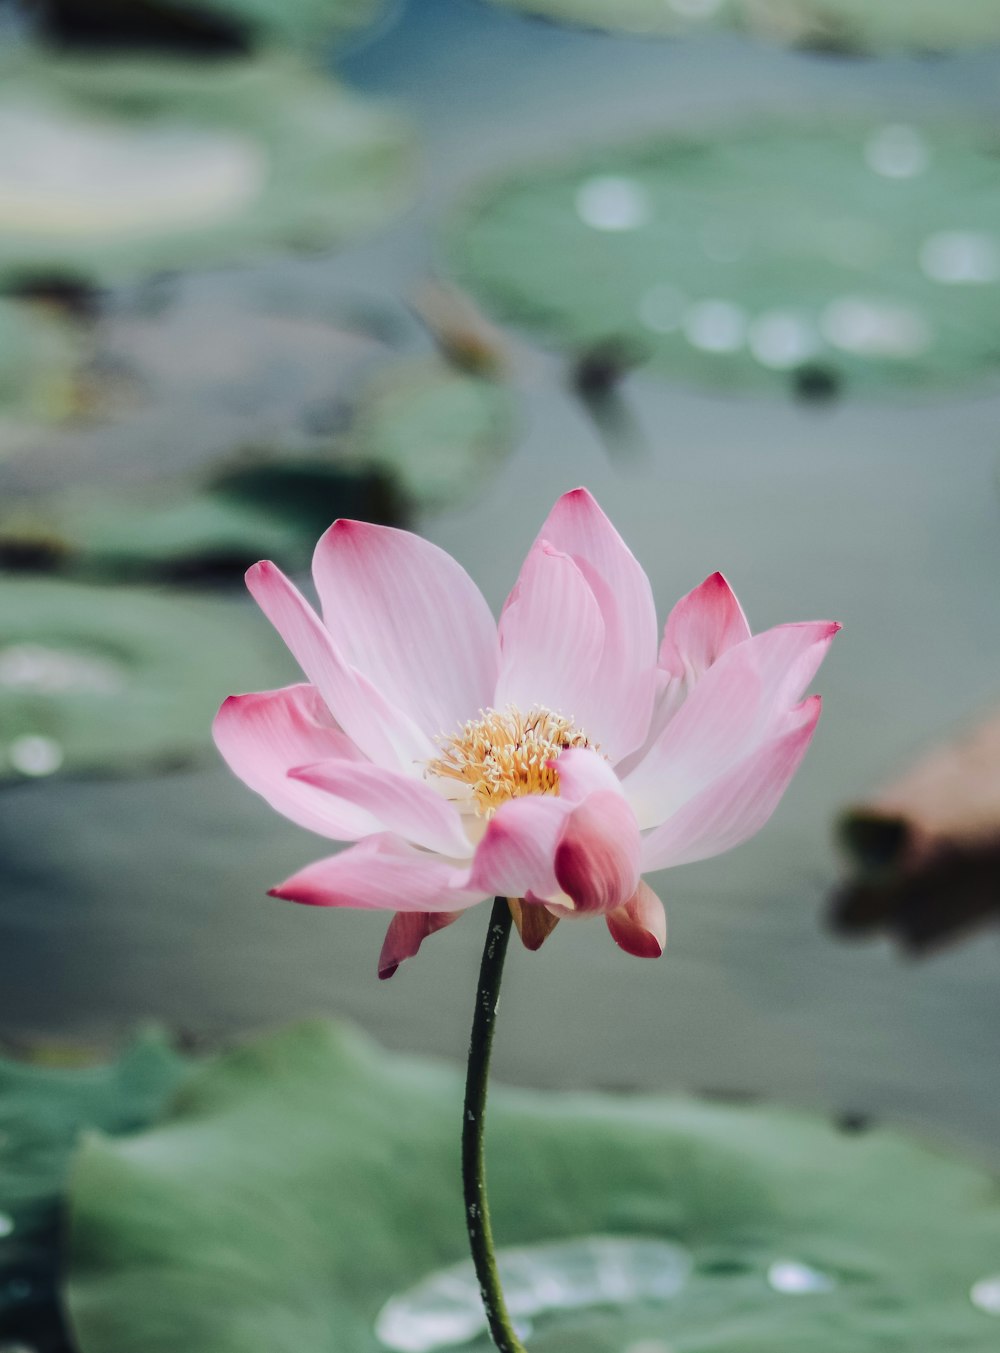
(539, 1281)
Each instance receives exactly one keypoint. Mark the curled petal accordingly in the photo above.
(623, 679)
(735, 806)
(407, 931)
(517, 852)
(701, 627)
(381, 730)
(597, 858)
(381, 873)
(551, 638)
(398, 803)
(582, 771)
(640, 926)
(409, 617)
(262, 735)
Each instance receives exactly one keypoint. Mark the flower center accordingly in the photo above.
(501, 756)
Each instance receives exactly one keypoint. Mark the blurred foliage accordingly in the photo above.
(835, 25)
(117, 167)
(41, 361)
(212, 26)
(43, 1113)
(301, 1181)
(864, 258)
(120, 681)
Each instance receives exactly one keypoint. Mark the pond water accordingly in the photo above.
(125, 900)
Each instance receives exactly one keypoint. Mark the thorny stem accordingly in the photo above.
(477, 1209)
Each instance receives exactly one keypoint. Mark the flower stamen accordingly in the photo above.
(503, 755)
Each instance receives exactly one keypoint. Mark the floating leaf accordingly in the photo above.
(40, 366)
(864, 258)
(42, 1114)
(207, 25)
(436, 430)
(116, 680)
(839, 25)
(119, 167)
(305, 1181)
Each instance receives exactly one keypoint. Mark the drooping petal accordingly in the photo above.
(381, 730)
(551, 638)
(517, 852)
(626, 673)
(597, 858)
(409, 617)
(734, 806)
(701, 627)
(261, 736)
(407, 931)
(398, 803)
(640, 926)
(739, 702)
(535, 923)
(381, 873)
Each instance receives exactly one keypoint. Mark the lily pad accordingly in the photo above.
(43, 1112)
(865, 258)
(118, 680)
(41, 359)
(435, 430)
(839, 25)
(213, 25)
(119, 167)
(305, 1189)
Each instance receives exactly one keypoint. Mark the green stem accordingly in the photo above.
(477, 1208)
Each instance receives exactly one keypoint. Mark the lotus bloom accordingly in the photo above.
(551, 759)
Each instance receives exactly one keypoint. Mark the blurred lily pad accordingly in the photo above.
(865, 258)
(838, 25)
(263, 508)
(120, 167)
(116, 681)
(436, 430)
(306, 1181)
(212, 25)
(42, 1115)
(41, 359)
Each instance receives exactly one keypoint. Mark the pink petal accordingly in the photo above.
(701, 627)
(739, 802)
(382, 731)
(398, 803)
(640, 926)
(597, 858)
(262, 735)
(516, 853)
(381, 873)
(582, 771)
(407, 931)
(626, 672)
(410, 618)
(551, 639)
(738, 703)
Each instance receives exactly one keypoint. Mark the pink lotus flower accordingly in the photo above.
(552, 762)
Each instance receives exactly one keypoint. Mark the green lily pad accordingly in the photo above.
(43, 1111)
(261, 509)
(117, 680)
(119, 167)
(865, 258)
(840, 25)
(437, 431)
(40, 368)
(306, 1187)
(220, 25)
